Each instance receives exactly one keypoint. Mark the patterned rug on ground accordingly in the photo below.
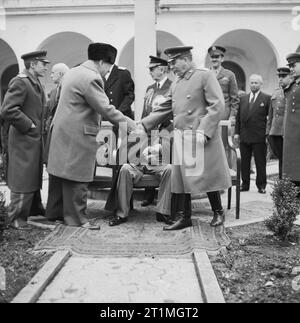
(141, 236)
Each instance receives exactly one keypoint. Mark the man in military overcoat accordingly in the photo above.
(197, 103)
(276, 115)
(291, 151)
(23, 109)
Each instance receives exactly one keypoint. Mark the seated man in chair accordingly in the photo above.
(153, 163)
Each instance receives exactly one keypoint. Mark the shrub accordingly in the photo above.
(286, 208)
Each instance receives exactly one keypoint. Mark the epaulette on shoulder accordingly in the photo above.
(203, 69)
(122, 68)
(22, 76)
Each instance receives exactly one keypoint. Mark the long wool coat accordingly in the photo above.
(197, 102)
(291, 151)
(73, 146)
(24, 105)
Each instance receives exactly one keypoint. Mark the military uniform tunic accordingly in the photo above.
(276, 114)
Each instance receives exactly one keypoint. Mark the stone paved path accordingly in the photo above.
(125, 280)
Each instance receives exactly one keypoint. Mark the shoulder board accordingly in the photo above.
(122, 68)
(203, 69)
(22, 76)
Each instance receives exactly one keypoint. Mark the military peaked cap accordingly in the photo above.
(216, 50)
(176, 52)
(38, 56)
(102, 51)
(283, 71)
(157, 61)
(293, 58)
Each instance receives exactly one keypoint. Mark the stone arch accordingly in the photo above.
(164, 40)
(239, 73)
(65, 47)
(9, 67)
(253, 52)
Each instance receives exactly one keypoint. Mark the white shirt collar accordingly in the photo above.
(162, 82)
(108, 74)
(256, 95)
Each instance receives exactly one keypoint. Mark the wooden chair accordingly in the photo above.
(234, 161)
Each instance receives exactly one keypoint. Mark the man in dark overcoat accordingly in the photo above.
(291, 151)
(119, 88)
(57, 73)
(23, 109)
(250, 131)
(73, 146)
(276, 115)
(197, 104)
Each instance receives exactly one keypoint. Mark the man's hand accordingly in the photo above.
(236, 139)
(201, 138)
(140, 130)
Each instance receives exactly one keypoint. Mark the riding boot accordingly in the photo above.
(184, 221)
(218, 219)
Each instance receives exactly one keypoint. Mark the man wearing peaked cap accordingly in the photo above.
(23, 111)
(197, 103)
(119, 87)
(276, 115)
(73, 147)
(291, 153)
(227, 81)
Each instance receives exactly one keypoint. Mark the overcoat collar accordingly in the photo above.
(31, 77)
(91, 66)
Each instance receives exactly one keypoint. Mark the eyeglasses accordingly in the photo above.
(215, 56)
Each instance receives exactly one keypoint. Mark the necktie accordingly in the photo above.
(252, 101)
(157, 86)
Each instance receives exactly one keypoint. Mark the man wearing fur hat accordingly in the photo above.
(72, 153)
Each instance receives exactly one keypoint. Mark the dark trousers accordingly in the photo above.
(24, 205)
(260, 156)
(276, 144)
(183, 202)
(67, 200)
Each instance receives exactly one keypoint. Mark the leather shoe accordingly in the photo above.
(262, 191)
(184, 222)
(163, 218)
(117, 221)
(146, 203)
(218, 219)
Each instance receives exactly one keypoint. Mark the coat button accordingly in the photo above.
(190, 112)
(188, 97)
(293, 110)
(191, 127)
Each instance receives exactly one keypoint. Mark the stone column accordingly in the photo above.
(144, 45)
